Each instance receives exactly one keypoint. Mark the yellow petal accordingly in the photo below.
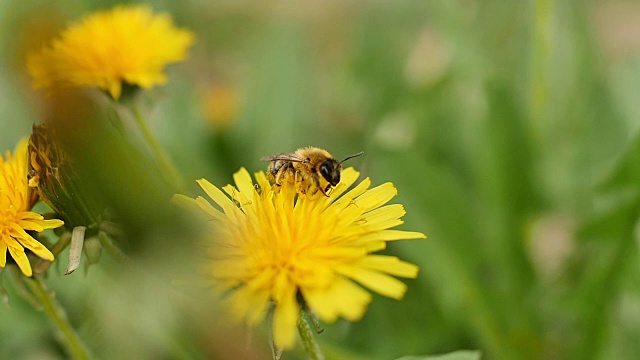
(376, 196)
(114, 88)
(373, 246)
(342, 298)
(390, 265)
(30, 243)
(187, 203)
(244, 183)
(384, 213)
(229, 207)
(351, 300)
(215, 194)
(347, 178)
(206, 206)
(30, 225)
(381, 283)
(391, 235)
(381, 225)
(239, 199)
(335, 252)
(48, 224)
(285, 318)
(17, 253)
(30, 215)
(346, 200)
(262, 181)
(248, 304)
(183, 201)
(3, 252)
(21, 150)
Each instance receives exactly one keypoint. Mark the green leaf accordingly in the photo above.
(456, 355)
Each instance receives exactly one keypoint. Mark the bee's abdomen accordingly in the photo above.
(279, 170)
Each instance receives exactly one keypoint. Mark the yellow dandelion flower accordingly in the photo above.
(270, 247)
(127, 45)
(16, 200)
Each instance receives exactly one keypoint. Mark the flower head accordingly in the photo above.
(127, 45)
(16, 200)
(273, 247)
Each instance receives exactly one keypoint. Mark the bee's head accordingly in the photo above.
(330, 171)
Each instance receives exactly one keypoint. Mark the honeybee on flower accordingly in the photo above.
(272, 249)
(307, 168)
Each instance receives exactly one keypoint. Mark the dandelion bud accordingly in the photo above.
(55, 181)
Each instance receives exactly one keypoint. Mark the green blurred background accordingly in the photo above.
(510, 129)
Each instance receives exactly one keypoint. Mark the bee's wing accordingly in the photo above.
(284, 156)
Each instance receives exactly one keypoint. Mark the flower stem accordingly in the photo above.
(58, 317)
(111, 248)
(158, 151)
(306, 334)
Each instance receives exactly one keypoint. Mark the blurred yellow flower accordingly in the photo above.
(220, 105)
(16, 200)
(270, 247)
(127, 45)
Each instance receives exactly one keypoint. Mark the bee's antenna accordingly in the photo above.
(352, 156)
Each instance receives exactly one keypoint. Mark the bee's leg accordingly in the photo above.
(316, 179)
(282, 173)
(301, 183)
(277, 179)
(311, 191)
(278, 176)
(290, 172)
(270, 177)
(276, 187)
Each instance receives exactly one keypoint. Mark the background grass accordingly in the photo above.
(509, 128)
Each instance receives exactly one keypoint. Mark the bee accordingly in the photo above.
(307, 168)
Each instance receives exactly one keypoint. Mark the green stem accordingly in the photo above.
(308, 340)
(58, 318)
(158, 151)
(111, 248)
